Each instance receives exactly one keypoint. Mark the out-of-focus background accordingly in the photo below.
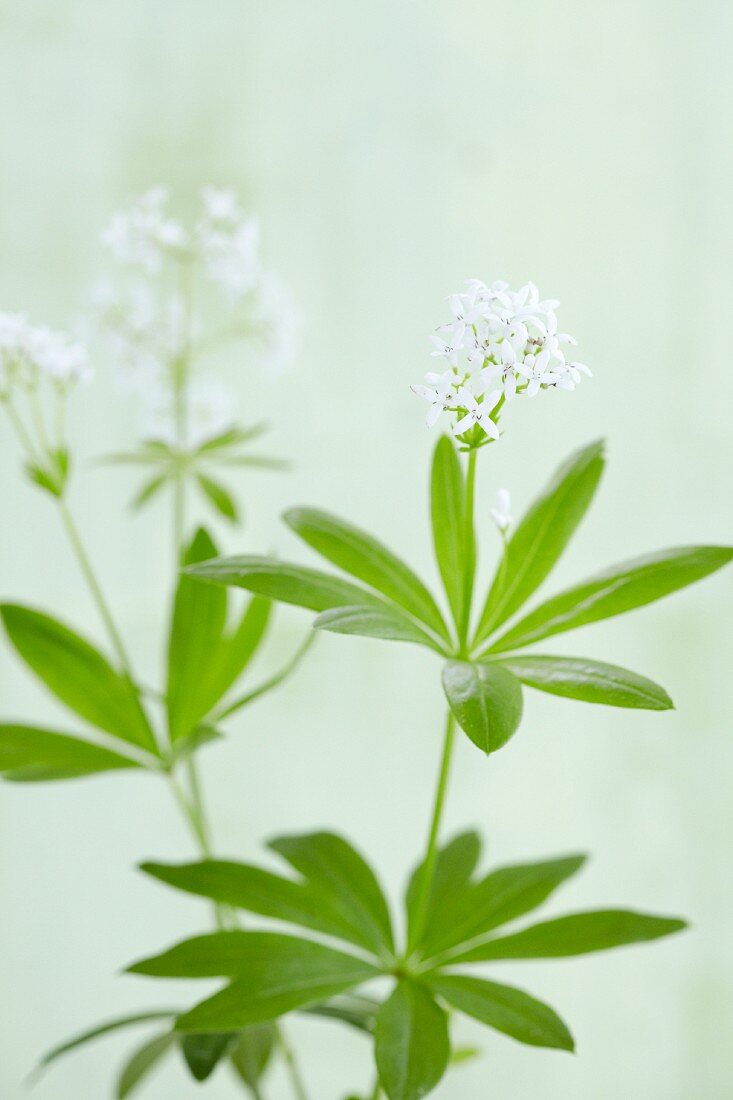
(393, 150)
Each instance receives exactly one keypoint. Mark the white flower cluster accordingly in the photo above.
(501, 344)
(29, 354)
(151, 326)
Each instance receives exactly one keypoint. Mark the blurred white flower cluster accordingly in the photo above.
(500, 344)
(30, 355)
(190, 290)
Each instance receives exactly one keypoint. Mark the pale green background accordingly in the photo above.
(394, 149)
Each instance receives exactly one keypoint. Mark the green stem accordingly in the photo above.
(469, 546)
(21, 430)
(296, 1080)
(95, 588)
(431, 856)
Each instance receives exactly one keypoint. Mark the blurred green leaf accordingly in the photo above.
(541, 537)
(589, 681)
(358, 553)
(219, 497)
(202, 1053)
(486, 701)
(104, 1029)
(252, 1052)
(359, 1012)
(78, 675)
(232, 437)
(575, 934)
(275, 974)
(454, 866)
(411, 1042)
(620, 588)
(32, 755)
(334, 866)
(448, 507)
(148, 490)
(504, 1008)
(142, 1062)
(501, 896)
(243, 886)
(198, 737)
(384, 622)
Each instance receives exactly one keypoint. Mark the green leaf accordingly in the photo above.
(232, 437)
(620, 588)
(359, 1012)
(202, 1053)
(78, 675)
(541, 537)
(243, 886)
(332, 865)
(199, 618)
(235, 651)
(30, 755)
(589, 681)
(219, 497)
(375, 622)
(576, 934)
(448, 505)
(502, 896)
(274, 975)
(104, 1029)
(411, 1042)
(486, 701)
(454, 866)
(293, 584)
(142, 1062)
(252, 1052)
(504, 1008)
(361, 555)
(147, 491)
(198, 737)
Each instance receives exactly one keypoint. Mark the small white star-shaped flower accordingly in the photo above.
(477, 413)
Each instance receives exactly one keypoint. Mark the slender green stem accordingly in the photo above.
(95, 588)
(296, 1080)
(20, 430)
(431, 855)
(469, 546)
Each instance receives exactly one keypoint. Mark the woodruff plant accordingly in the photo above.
(501, 346)
(161, 320)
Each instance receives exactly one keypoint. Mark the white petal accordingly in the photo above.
(433, 414)
(463, 425)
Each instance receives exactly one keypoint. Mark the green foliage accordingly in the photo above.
(589, 681)
(411, 1044)
(486, 701)
(142, 1062)
(271, 974)
(203, 1053)
(31, 755)
(251, 1053)
(483, 693)
(78, 675)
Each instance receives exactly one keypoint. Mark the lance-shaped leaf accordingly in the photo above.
(454, 866)
(204, 660)
(589, 681)
(78, 675)
(411, 1042)
(486, 701)
(199, 617)
(108, 1028)
(620, 588)
(273, 974)
(139, 1066)
(541, 537)
(575, 934)
(148, 490)
(355, 1010)
(333, 866)
(31, 755)
(361, 555)
(202, 1053)
(501, 896)
(252, 1051)
(504, 1008)
(219, 497)
(448, 508)
(243, 886)
(283, 581)
(384, 622)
